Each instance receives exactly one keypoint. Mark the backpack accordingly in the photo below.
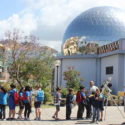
(40, 96)
(16, 98)
(24, 98)
(78, 97)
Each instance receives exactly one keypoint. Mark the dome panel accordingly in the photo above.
(98, 24)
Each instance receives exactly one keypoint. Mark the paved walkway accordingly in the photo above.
(113, 117)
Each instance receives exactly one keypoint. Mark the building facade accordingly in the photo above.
(94, 45)
(97, 67)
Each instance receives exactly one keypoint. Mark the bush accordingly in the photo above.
(64, 92)
(72, 78)
(48, 96)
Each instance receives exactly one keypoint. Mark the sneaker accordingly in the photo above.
(25, 118)
(92, 121)
(68, 118)
(100, 120)
(57, 119)
(28, 119)
(8, 119)
(36, 119)
(53, 117)
(97, 122)
(39, 119)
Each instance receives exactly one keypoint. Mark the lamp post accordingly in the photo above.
(57, 67)
(57, 64)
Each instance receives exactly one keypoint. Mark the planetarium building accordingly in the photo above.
(94, 45)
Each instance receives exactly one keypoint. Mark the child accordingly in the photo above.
(95, 103)
(3, 103)
(39, 98)
(80, 99)
(88, 105)
(101, 105)
(21, 103)
(27, 102)
(69, 102)
(11, 102)
(57, 101)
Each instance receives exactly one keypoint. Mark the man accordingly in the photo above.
(80, 99)
(93, 88)
(57, 101)
(11, 103)
(39, 98)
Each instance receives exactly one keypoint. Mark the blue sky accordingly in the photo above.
(47, 19)
(9, 7)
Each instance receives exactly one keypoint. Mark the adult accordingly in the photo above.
(11, 102)
(80, 99)
(93, 88)
(39, 98)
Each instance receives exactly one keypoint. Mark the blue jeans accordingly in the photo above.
(95, 114)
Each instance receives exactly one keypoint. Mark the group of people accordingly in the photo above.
(23, 98)
(92, 100)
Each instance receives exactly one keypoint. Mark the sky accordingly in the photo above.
(46, 19)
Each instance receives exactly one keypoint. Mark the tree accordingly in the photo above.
(39, 70)
(26, 59)
(72, 78)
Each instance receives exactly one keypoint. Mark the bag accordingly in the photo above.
(78, 97)
(24, 98)
(40, 96)
(16, 98)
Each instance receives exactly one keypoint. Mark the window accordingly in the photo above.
(109, 70)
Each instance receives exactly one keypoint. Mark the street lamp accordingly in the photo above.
(57, 64)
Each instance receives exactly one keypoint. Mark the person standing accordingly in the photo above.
(95, 104)
(93, 88)
(57, 101)
(21, 103)
(88, 105)
(11, 102)
(81, 99)
(3, 103)
(69, 103)
(27, 102)
(101, 104)
(39, 98)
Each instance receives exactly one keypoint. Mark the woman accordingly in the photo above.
(21, 103)
(3, 103)
(27, 102)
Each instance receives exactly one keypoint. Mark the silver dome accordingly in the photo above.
(100, 24)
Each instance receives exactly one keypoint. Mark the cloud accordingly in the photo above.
(48, 19)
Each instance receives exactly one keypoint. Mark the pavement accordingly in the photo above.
(113, 117)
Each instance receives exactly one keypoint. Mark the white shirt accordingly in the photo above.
(93, 88)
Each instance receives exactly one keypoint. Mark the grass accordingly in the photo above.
(47, 106)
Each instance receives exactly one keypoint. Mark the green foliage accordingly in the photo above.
(72, 78)
(64, 92)
(39, 71)
(48, 95)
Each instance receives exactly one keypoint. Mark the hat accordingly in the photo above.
(58, 88)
